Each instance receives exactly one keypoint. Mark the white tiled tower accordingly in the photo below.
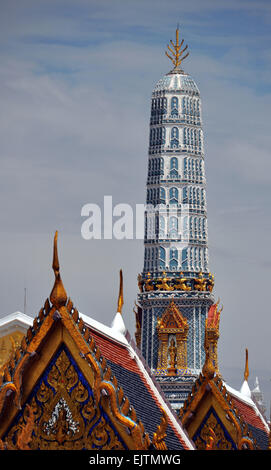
(176, 239)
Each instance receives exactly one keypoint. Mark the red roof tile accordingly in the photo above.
(115, 352)
(249, 414)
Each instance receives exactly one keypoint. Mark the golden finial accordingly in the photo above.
(246, 373)
(58, 295)
(120, 298)
(176, 54)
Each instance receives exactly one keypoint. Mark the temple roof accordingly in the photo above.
(139, 385)
(129, 370)
(120, 380)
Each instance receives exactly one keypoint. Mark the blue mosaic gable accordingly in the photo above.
(197, 436)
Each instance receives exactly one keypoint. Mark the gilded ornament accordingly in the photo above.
(23, 433)
(175, 52)
(172, 351)
(65, 414)
(163, 283)
(148, 283)
(246, 373)
(172, 323)
(181, 283)
(120, 298)
(45, 393)
(58, 295)
(71, 377)
(200, 283)
(159, 436)
(140, 282)
(211, 439)
(219, 442)
(79, 393)
(210, 282)
(212, 333)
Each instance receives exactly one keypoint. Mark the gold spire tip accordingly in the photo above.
(120, 298)
(175, 53)
(55, 264)
(246, 373)
(58, 295)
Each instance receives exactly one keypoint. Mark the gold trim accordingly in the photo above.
(179, 283)
(172, 324)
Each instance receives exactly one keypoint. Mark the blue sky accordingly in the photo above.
(75, 84)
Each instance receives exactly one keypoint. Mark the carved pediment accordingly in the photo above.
(172, 320)
(58, 374)
(65, 414)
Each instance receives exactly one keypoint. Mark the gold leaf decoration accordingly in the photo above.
(63, 414)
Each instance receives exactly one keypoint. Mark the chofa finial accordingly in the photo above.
(118, 323)
(58, 295)
(176, 54)
(245, 390)
(246, 373)
(55, 264)
(120, 298)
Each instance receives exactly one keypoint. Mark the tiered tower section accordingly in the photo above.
(175, 285)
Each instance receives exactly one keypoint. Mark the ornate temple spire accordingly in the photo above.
(58, 295)
(176, 261)
(175, 52)
(245, 390)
